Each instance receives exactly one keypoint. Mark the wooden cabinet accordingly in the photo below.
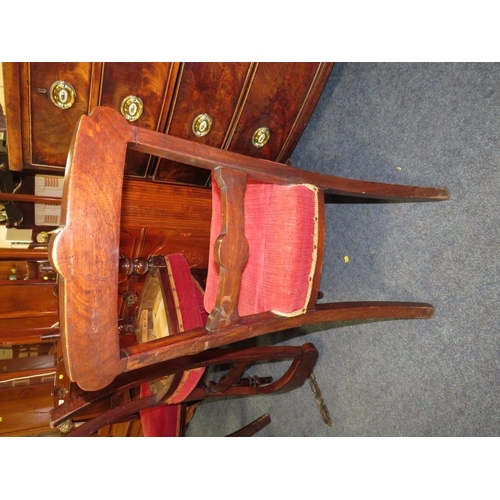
(257, 109)
(162, 219)
(50, 128)
(204, 108)
(29, 310)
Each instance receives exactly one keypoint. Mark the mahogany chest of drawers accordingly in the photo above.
(257, 109)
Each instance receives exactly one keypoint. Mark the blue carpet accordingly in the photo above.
(423, 124)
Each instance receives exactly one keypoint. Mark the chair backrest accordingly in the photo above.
(85, 252)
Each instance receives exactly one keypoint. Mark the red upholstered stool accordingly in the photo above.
(281, 226)
(155, 320)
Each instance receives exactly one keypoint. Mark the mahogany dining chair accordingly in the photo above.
(265, 255)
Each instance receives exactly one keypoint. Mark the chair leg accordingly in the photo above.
(371, 310)
(382, 191)
(199, 339)
(109, 417)
(92, 426)
(253, 427)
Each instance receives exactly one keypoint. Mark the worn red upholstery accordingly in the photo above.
(164, 421)
(281, 226)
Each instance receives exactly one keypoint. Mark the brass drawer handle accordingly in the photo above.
(62, 94)
(260, 137)
(132, 108)
(202, 125)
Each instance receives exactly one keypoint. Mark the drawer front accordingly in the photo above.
(274, 102)
(139, 91)
(206, 103)
(90, 84)
(51, 126)
(145, 80)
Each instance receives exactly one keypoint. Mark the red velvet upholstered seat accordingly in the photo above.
(281, 226)
(164, 420)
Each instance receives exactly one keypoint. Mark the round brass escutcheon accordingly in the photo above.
(65, 426)
(42, 237)
(132, 108)
(202, 125)
(260, 137)
(62, 94)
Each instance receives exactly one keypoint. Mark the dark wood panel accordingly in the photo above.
(27, 330)
(51, 127)
(23, 299)
(150, 81)
(274, 101)
(147, 80)
(179, 211)
(25, 410)
(215, 89)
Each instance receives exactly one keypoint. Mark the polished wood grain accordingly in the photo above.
(216, 89)
(175, 209)
(30, 198)
(29, 310)
(273, 172)
(153, 83)
(277, 94)
(163, 219)
(51, 128)
(23, 254)
(95, 242)
(11, 79)
(195, 341)
(17, 418)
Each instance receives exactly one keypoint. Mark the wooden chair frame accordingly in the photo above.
(85, 251)
(232, 382)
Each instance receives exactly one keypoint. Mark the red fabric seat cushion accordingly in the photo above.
(161, 421)
(281, 226)
(164, 421)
